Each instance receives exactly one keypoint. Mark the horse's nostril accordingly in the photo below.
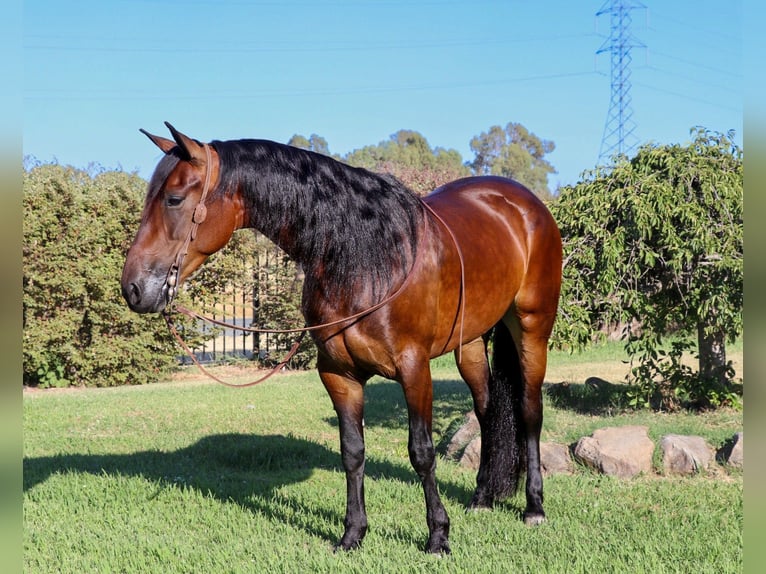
(133, 294)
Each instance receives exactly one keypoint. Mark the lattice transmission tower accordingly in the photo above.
(618, 135)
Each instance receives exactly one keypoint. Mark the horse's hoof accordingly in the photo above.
(481, 502)
(341, 547)
(533, 519)
(438, 548)
(347, 543)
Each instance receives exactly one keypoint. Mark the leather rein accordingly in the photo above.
(199, 215)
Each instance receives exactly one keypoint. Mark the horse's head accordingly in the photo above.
(181, 224)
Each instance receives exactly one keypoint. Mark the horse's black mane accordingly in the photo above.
(350, 225)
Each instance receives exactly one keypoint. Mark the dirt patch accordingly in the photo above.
(31, 391)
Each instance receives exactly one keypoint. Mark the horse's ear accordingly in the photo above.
(191, 149)
(163, 143)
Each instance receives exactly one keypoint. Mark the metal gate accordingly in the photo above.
(260, 301)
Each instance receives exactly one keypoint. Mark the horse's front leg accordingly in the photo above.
(418, 391)
(348, 399)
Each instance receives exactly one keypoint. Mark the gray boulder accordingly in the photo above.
(685, 455)
(555, 459)
(617, 451)
(464, 435)
(472, 454)
(733, 452)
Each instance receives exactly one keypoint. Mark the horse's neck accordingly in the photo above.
(339, 223)
(275, 216)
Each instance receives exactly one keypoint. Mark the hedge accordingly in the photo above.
(77, 329)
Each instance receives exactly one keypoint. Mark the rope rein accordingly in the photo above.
(199, 215)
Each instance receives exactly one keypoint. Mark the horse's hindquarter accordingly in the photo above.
(510, 247)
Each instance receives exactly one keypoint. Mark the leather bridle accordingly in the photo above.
(199, 215)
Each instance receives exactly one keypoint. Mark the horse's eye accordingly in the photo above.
(174, 201)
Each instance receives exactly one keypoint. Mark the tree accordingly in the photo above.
(408, 156)
(313, 143)
(656, 243)
(516, 153)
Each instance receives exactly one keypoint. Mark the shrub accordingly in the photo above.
(77, 329)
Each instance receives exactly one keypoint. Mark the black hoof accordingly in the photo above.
(439, 546)
(481, 501)
(346, 547)
(351, 540)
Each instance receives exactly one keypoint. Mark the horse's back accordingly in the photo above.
(490, 191)
(492, 210)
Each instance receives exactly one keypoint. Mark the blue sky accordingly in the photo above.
(355, 72)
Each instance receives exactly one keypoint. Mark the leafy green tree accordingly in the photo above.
(655, 243)
(514, 152)
(408, 156)
(313, 143)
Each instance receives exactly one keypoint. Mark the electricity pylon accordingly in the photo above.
(618, 138)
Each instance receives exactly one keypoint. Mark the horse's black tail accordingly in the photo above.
(503, 438)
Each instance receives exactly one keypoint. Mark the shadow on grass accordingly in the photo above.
(246, 469)
(384, 403)
(385, 407)
(593, 397)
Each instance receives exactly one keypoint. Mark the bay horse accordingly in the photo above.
(477, 260)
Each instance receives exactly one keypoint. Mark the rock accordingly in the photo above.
(617, 451)
(733, 452)
(737, 455)
(472, 454)
(555, 459)
(597, 383)
(464, 435)
(685, 455)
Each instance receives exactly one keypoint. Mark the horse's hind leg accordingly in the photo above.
(473, 366)
(415, 378)
(530, 332)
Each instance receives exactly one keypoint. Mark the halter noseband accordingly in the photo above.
(199, 215)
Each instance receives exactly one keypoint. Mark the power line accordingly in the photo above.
(731, 88)
(691, 98)
(707, 67)
(154, 94)
(685, 26)
(95, 44)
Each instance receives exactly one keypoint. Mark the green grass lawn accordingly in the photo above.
(189, 476)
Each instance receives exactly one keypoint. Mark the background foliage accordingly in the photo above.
(76, 328)
(514, 152)
(655, 244)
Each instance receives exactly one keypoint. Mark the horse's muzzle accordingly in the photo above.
(145, 297)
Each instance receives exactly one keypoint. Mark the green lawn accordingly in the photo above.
(189, 476)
